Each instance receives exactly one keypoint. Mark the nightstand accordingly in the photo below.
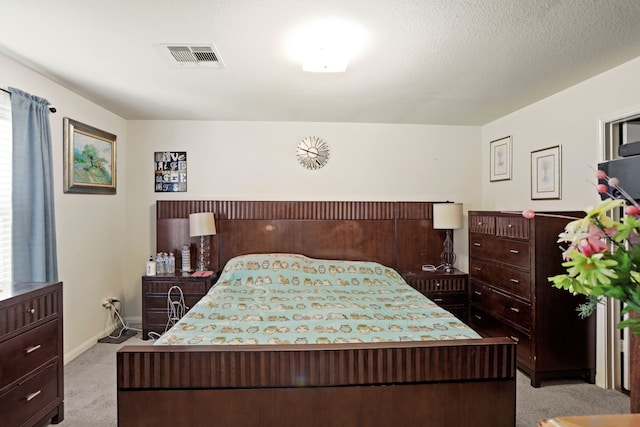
(155, 289)
(448, 290)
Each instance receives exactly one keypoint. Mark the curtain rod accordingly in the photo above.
(51, 108)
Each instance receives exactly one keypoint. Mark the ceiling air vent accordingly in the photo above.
(201, 56)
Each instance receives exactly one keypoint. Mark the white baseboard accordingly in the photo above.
(133, 322)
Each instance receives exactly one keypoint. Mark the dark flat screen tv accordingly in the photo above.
(627, 170)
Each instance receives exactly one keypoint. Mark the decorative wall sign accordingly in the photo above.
(89, 159)
(170, 171)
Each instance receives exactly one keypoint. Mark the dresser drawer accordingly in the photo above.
(488, 325)
(501, 305)
(516, 227)
(510, 252)
(484, 224)
(21, 402)
(28, 351)
(19, 316)
(510, 280)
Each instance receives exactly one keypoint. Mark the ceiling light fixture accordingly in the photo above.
(326, 46)
(325, 60)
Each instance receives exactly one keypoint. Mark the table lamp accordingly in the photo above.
(201, 224)
(447, 216)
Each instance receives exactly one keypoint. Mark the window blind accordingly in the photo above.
(5, 190)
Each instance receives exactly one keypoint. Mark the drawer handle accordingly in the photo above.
(516, 339)
(479, 222)
(516, 281)
(437, 300)
(476, 244)
(34, 348)
(477, 293)
(477, 269)
(33, 395)
(477, 316)
(437, 284)
(509, 225)
(514, 251)
(32, 311)
(516, 310)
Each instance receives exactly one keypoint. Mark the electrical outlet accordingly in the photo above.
(108, 302)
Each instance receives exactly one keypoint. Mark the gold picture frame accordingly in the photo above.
(89, 159)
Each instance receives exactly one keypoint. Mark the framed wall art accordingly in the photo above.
(89, 159)
(170, 171)
(500, 161)
(546, 168)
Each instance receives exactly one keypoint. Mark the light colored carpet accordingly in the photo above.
(90, 393)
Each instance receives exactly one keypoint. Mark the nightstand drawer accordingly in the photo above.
(501, 305)
(446, 298)
(510, 252)
(28, 351)
(514, 281)
(440, 284)
(155, 302)
(187, 287)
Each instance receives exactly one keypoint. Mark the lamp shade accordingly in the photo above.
(201, 224)
(447, 216)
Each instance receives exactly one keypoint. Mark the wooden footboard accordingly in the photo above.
(409, 384)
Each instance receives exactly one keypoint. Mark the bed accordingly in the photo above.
(340, 370)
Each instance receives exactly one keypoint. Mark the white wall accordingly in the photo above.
(90, 228)
(256, 161)
(571, 118)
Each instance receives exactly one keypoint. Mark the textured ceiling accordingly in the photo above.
(455, 62)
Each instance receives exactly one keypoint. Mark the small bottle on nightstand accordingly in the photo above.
(171, 264)
(151, 267)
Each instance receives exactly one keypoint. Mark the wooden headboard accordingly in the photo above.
(397, 234)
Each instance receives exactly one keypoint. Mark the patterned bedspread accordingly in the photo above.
(288, 298)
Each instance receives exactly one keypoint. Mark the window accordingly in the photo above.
(5, 190)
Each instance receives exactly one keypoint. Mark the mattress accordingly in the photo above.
(293, 299)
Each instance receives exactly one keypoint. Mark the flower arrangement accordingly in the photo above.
(602, 255)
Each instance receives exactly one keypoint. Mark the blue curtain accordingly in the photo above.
(34, 232)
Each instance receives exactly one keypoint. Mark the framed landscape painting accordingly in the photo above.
(89, 159)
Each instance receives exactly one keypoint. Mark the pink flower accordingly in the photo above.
(593, 243)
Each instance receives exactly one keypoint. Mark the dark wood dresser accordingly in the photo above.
(448, 290)
(155, 292)
(31, 357)
(510, 259)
